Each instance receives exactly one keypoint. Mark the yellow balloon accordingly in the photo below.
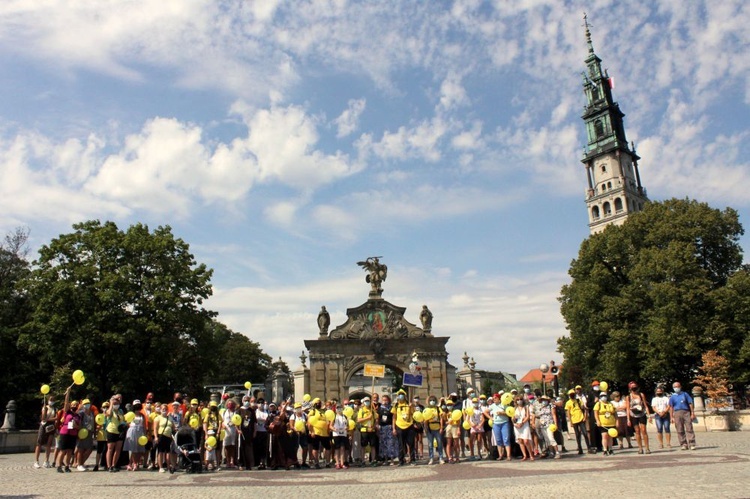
(469, 411)
(236, 420)
(100, 436)
(352, 424)
(603, 386)
(506, 399)
(79, 381)
(330, 415)
(491, 422)
(152, 416)
(129, 417)
(142, 440)
(77, 374)
(612, 432)
(99, 419)
(248, 385)
(211, 441)
(456, 415)
(222, 435)
(44, 389)
(553, 428)
(194, 423)
(306, 398)
(466, 425)
(418, 417)
(83, 434)
(299, 425)
(348, 412)
(322, 424)
(510, 412)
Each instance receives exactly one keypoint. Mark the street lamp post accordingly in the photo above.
(544, 368)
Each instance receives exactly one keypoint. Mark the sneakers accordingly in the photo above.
(558, 456)
(47, 465)
(81, 467)
(442, 461)
(67, 469)
(59, 469)
(684, 447)
(430, 462)
(37, 465)
(692, 447)
(162, 470)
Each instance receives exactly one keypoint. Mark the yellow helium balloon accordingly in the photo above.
(83, 434)
(204, 412)
(466, 425)
(456, 415)
(506, 399)
(142, 440)
(236, 420)
(418, 417)
(330, 415)
(469, 411)
(603, 386)
(306, 398)
(553, 428)
(44, 389)
(194, 423)
(491, 422)
(211, 441)
(352, 424)
(348, 412)
(612, 432)
(322, 424)
(248, 385)
(510, 412)
(100, 436)
(77, 374)
(99, 419)
(152, 416)
(79, 381)
(299, 425)
(129, 417)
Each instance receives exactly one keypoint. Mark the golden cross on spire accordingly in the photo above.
(588, 33)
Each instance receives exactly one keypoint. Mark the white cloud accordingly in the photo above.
(348, 121)
(452, 92)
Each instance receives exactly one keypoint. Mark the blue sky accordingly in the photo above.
(285, 141)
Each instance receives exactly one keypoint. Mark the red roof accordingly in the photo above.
(535, 376)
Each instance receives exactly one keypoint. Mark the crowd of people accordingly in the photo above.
(245, 432)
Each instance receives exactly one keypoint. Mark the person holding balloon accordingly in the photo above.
(474, 424)
(501, 424)
(606, 420)
(546, 421)
(101, 438)
(164, 428)
(434, 429)
(231, 433)
(71, 421)
(47, 428)
(452, 425)
(339, 428)
(366, 420)
(137, 428)
(521, 417)
(85, 444)
(115, 418)
(403, 428)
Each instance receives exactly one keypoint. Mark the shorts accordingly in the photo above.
(68, 442)
(341, 442)
(367, 438)
(113, 437)
(452, 431)
(86, 443)
(43, 437)
(638, 420)
(662, 424)
(165, 444)
(603, 429)
(316, 442)
(303, 440)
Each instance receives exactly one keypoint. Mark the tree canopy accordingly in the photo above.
(647, 298)
(124, 306)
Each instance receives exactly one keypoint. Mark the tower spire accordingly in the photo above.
(588, 32)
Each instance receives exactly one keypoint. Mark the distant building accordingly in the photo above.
(614, 182)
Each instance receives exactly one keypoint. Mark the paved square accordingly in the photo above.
(720, 467)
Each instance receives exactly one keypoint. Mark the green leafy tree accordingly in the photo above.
(239, 358)
(644, 300)
(123, 306)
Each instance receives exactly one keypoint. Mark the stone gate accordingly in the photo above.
(375, 332)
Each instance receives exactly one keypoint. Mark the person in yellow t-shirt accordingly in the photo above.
(403, 428)
(163, 429)
(366, 420)
(575, 411)
(605, 415)
(319, 436)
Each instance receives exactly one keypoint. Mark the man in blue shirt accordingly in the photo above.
(682, 413)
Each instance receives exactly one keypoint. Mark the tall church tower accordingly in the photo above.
(614, 183)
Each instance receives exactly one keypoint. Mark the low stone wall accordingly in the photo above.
(729, 421)
(12, 442)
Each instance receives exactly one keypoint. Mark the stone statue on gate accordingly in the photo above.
(376, 274)
(425, 317)
(324, 321)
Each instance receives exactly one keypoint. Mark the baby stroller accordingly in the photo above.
(188, 453)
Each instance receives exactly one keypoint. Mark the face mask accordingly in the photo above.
(443, 407)
(677, 389)
(603, 399)
(545, 403)
(367, 403)
(115, 406)
(520, 403)
(527, 390)
(596, 388)
(634, 389)
(476, 406)
(87, 406)
(400, 398)
(659, 394)
(265, 407)
(433, 403)
(246, 404)
(51, 403)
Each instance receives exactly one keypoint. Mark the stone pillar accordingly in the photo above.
(301, 379)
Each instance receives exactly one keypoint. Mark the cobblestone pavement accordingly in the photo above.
(720, 467)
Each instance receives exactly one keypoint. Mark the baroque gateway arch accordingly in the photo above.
(375, 332)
